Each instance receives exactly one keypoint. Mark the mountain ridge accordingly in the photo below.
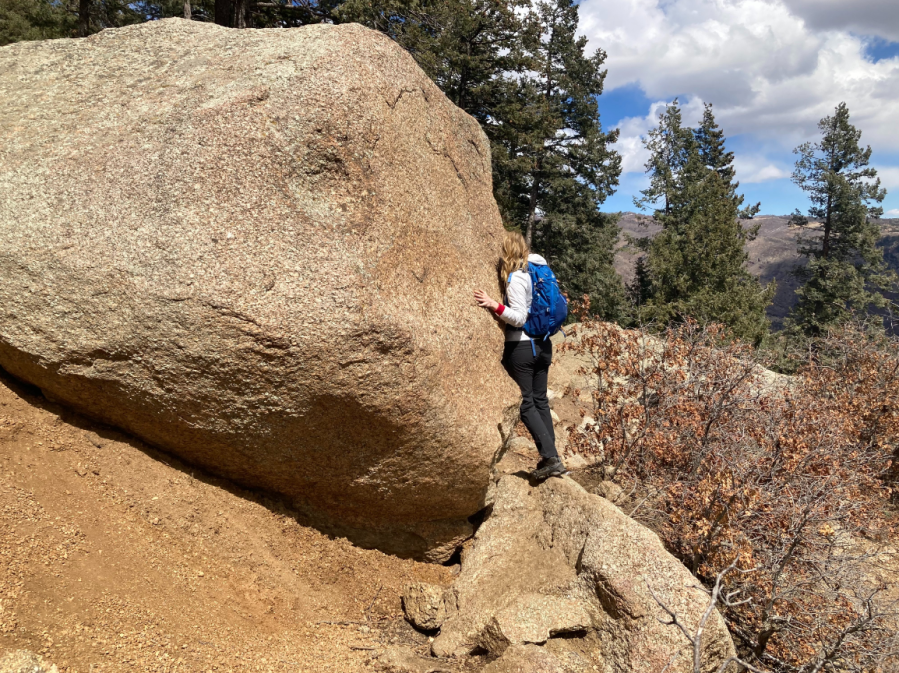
(772, 254)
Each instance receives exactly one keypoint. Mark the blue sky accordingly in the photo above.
(772, 69)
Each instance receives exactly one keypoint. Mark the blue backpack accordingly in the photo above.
(549, 308)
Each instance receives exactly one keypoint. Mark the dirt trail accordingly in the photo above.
(114, 557)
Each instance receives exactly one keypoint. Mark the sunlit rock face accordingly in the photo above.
(256, 250)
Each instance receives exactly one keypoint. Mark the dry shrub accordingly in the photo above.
(788, 477)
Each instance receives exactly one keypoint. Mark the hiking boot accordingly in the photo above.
(552, 467)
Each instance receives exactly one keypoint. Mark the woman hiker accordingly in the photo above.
(526, 361)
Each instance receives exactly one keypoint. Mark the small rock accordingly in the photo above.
(95, 439)
(576, 462)
(23, 661)
(533, 619)
(608, 490)
(80, 471)
(521, 445)
(404, 660)
(525, 659)
(586, 422)
(424, 606)
(555, 417)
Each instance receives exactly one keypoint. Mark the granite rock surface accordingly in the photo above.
(256, 250)
(424, 606)
(24, 661)
(525, 659)
(553, 560)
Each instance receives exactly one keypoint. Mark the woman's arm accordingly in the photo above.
(516, 313)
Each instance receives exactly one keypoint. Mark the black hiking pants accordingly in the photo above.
(530, 373)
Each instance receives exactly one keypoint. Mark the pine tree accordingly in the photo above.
(845, 275)
(696, 266)
(195, 10)
(710, 139)
(47, 19)
(639, 290)
(668, 146)
(710, 143)
(553, 163)
(477, 46)
(35, 20)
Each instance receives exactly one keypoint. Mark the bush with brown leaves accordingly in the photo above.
(788, 478)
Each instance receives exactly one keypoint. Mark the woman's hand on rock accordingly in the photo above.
(484, 301)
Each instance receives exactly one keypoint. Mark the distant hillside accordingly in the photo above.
(772, 255)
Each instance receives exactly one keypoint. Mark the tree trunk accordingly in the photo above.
(762, 644)
(535, 187)
(532, 211)
(187, 9)
(240, 13)
(84, 17)
(224, 12)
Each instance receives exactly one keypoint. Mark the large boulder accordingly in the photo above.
(553, 560)
(256, 249)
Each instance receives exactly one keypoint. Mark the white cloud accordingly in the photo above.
(874, 17)
(892, 213)
(760, 174)
(751, 168)
(889, 177)
(630, 143)
(633, 154)
(772, 68)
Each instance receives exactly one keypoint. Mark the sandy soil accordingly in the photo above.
(114, 557)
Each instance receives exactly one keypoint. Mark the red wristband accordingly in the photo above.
(499, 309)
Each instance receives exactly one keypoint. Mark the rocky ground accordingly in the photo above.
(114, 557)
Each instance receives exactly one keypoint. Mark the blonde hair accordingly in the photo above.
(514, 256)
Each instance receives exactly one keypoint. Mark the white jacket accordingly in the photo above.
(518, 302)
